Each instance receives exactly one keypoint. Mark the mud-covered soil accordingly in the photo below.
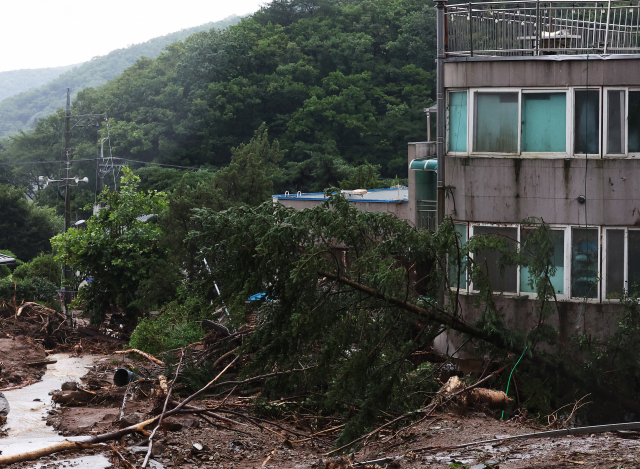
(192, 442)
(20, 361)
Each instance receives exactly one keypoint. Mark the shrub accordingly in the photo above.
(44, 266)
(33, 289)
(173, 328)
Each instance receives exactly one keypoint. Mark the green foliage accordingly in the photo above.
(174, 327)
(25, 228)
(33, 289)
(43, 266)
(16, 81)
(353, 76)
(117, 249)
(365, 176)
(20, 112)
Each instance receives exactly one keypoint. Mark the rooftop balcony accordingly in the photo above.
(542, 28)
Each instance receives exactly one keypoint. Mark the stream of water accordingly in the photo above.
(26, 422)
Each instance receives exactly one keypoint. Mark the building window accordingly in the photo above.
(557, 261)
(622, 262)
(496, 122)
(584, 262)
(634, 122)
(458, 277)
(458, 122)
(489, 259)
(544, 122)
(616, 125)
(614, 269)
(586, 123)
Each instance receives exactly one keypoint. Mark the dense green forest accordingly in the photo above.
(19, 112)
(337, 84)
(16, 81)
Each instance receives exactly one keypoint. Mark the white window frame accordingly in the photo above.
(471, 114)
(600, 119)
(447, 126)
(600, 264)
(569, 116)
(605, 119)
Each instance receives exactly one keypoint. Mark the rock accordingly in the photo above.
(72, 398)
(171, 424)
(190, 423)
(15, 379)
(4, 405)
(197, 446)
(131, 419)
(69, 386)
(155, 464)
(138, 449)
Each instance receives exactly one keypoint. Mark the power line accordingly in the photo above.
(21, 163)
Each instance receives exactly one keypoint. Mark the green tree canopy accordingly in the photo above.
(118, 249)
(25, 228)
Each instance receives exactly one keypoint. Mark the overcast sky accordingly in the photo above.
(46, 33)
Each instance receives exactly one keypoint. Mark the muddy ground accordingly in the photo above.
(191, 442)
(21, 361)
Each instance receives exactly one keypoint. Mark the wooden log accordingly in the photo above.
(144, 354)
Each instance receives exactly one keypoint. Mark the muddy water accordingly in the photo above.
(26, 422)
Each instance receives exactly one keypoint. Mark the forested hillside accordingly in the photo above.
(19, 112)
(339, 86)
(16, 81)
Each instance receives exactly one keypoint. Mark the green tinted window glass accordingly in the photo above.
(489, 259)
(544, 122)
(634, 122)
(496, 122)
(615, 122)
(633, 262)
(458, 121)
(615, 263)
(458, 276)
(584, 262)
(557, 280)
(587, 120)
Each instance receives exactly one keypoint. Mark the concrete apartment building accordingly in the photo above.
(539, 116)
(541, 107)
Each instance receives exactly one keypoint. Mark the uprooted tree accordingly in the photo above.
(354, 294)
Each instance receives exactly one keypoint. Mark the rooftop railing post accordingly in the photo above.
(470, 29)
(440, 4)
(606, 31)
(537, 27)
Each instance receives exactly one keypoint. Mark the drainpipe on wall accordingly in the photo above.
(440, 4)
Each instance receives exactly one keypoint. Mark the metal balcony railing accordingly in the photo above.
(427, 213)
(542, 28)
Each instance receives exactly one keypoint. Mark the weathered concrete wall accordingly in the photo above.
(503, 190)
(541, 71)
(596, 319)
(401, 210)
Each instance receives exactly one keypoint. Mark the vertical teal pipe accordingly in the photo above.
(510, 374)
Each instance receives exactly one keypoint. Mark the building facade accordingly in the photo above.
(542, 119)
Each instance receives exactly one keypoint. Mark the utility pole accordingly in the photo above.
(67, 203)
(67, 191)
(440, 56)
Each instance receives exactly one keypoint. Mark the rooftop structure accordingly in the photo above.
(4, 259)
(541, 28)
